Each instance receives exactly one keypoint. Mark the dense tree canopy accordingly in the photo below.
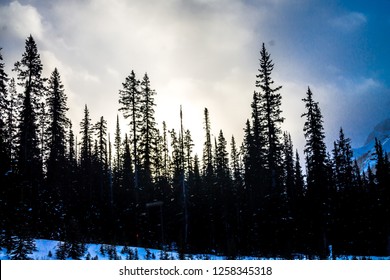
(152, 190)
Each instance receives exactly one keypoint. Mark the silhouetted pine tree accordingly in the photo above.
(129, 98)
(288, 198)
(162, 185)
(315, 148)
(118, 152)
(189, 183)
(102, 151)
(56, 133)
(343, 166)
(127, 207)
(29, 71)
(86, 143)
(28, 156)
(72, 194)
(84, 209)
(174, 197)
(317, 176)
(269, 104)
(238, 192)
(343, 196)
(263, 157)
(225, 201)
(208, 180)
(253, 178)
(55, 123)
(207, 149)
(147, 134)
(101, 160)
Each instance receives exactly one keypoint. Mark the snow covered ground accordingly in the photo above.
(46, 250)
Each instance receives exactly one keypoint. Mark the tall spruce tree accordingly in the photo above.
(315, 148)
(58, 123)
(86, 142)
(208, 147)
(223, 199)
(148, 132)
(263, 156)
(343, 165)
(208, 175)
(317, 175)
(269, 104)
(129, 98)
(28, 155)
(100, 133)
(85, 174)
(29, 72)
(222, 159)
(117, 167)
(101, 159)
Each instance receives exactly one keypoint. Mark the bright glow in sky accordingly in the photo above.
(201, 53)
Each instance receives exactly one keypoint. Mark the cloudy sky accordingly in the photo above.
(204, 53)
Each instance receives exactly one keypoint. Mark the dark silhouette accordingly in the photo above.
(152, 191)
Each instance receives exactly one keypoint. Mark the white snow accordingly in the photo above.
(45, 248)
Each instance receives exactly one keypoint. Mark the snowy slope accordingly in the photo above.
(46, 251)
(364, 155)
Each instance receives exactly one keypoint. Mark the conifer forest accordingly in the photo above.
(75, 181)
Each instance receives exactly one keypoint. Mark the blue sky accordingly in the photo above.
(202, 53)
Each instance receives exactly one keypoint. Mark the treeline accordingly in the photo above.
(149, 189)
